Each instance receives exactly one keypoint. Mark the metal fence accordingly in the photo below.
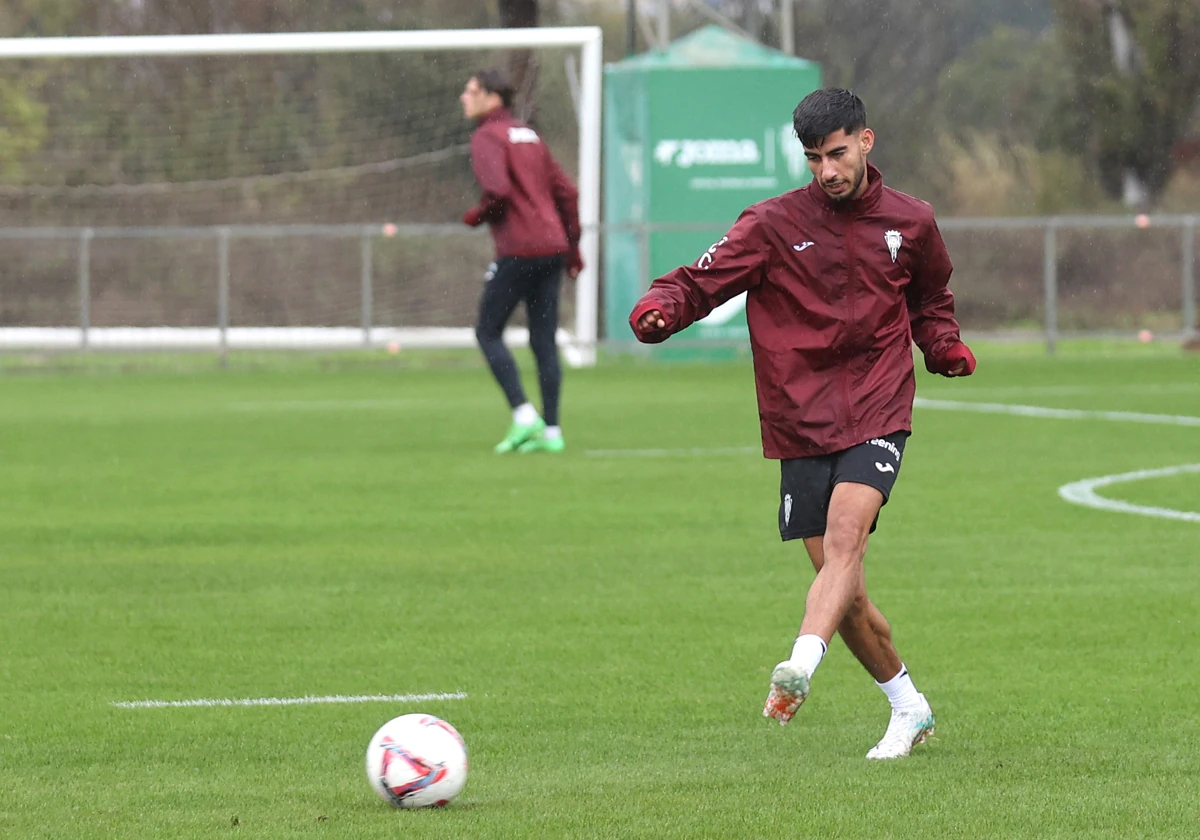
(1110, 273)
(368, 285)
(1057, 276)
(223, 287)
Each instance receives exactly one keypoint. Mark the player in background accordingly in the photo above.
(842, 276)
(532, 209)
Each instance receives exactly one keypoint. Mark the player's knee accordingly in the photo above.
(546, 352)
(538, 346)
(845, 540)
(486, 335)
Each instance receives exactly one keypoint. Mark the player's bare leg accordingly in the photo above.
(852, 509)
(869, 637)
(865, 631)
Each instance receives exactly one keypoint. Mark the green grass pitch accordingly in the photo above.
(288, 530)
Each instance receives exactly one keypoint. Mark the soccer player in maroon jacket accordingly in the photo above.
(532, 209)
(842, 277)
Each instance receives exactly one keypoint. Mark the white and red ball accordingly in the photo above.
(417, 761)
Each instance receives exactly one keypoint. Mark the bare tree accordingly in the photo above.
(892, 55)
(522, 64)
(1137, 71)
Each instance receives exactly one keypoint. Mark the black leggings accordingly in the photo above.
(537, 281)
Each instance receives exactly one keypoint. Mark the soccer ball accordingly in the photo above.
(417, 761)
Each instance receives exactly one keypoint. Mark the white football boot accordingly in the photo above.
(905, 730)
(789, 688)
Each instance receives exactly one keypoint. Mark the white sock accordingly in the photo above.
(901, 692)
(552, 432)
(525, 414)
(808, 652)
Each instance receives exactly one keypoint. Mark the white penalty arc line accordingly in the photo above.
(1079, 492)
(1084, 493)
(287, 701)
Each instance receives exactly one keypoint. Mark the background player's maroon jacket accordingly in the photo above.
(529, 202)
(837, 295)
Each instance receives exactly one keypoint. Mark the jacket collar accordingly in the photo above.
(863, 203)
(493, 115)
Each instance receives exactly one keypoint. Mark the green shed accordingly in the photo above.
(693, 134)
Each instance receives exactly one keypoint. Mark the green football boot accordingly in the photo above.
(541, 443)
(519, 433)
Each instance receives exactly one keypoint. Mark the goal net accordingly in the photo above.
(298, 190)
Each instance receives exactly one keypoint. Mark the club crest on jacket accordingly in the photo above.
(894, 240)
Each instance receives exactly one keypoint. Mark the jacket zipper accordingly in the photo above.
(851, 325)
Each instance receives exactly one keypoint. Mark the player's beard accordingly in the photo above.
(859, 174)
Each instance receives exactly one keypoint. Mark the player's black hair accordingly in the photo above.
(498, 82)
(825, 111)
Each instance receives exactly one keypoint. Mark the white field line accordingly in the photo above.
(326, 405)
(1058, 413)
(671, 453)
(287, 701)
(972, 392)
(937, 405)
(1083, 493)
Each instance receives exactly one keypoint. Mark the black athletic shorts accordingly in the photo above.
(806, 484)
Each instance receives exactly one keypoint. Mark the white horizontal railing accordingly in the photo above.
(579, 345)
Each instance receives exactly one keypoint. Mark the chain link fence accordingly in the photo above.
(1056, 276)
(357, 285)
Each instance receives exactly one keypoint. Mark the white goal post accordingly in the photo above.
(579, 344)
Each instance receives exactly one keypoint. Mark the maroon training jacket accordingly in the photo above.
(837, 293)
(528, 201)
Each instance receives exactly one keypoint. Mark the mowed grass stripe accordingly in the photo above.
(620, 614)
(287, 701)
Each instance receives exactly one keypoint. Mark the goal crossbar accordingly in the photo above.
(588, 39)
(128, 46)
